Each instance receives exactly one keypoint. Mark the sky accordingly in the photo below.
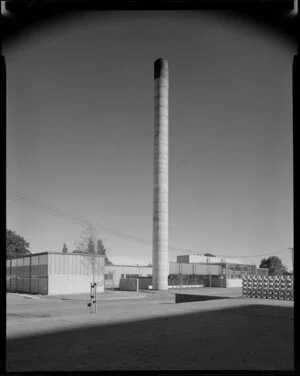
(80, 133)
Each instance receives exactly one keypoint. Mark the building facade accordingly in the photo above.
(69, 273)
(186, 274)
(113, 273)
(54, 273)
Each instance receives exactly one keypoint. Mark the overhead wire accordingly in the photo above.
(43, 208)
(25, 200)
(249, 256)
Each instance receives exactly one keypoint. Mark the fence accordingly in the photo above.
(129, 284)
(181, 280)
(272, 287)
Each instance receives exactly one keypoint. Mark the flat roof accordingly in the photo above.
(135, 266)
(52, 253)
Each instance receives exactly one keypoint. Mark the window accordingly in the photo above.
(132, 275)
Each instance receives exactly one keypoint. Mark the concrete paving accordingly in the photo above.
(151, 333)
(81, 296)
(109, 294)
(234, 292)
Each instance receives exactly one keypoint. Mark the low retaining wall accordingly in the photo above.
(183, 286)
(186, 298)
(272, 287)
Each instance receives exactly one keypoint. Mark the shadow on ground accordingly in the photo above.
(254, 337)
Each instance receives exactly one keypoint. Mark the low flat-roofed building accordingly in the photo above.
(190, 259)
(54, 273)
(113, 273)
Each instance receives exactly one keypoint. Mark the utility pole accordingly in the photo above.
(209, 269)
(292, 252)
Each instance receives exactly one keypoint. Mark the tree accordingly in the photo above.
(101, 250)
(65, 249)
(16, 245)
(209, 255)
(92, 246)
(86, 244)
(274, 264)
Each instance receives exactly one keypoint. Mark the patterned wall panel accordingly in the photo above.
(271, 287)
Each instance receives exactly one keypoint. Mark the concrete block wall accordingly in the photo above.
(271, 287)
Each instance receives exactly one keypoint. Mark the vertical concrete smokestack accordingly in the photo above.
(160, 268)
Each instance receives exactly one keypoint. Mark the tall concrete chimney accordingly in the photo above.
(160, 262)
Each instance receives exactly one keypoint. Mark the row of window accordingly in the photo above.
(241, 268)
(26, 276)
(23, 270)
(230, 273)
(135, 276)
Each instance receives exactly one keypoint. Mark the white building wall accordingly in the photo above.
(203, 259)
(186, 269)
(234, 282)
(200, 258)
(174, 267)
(70, 284)
(229, 260)
(72, 274)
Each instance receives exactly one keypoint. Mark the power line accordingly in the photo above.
(250, 256)
(18, 200)
(45, 209)
(267, 254)
(22, 199)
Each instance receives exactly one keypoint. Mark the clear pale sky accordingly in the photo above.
(80, 133)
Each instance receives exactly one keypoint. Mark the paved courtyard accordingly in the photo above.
(148, 331)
